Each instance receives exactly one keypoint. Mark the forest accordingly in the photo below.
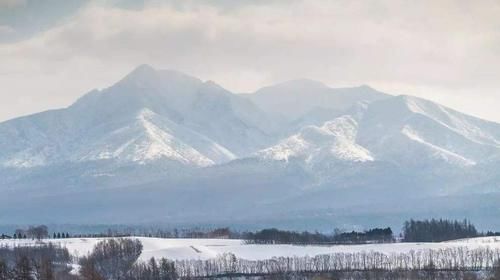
(438, 230)
(276, 236)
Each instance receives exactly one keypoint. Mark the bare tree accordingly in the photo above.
(4, 271)
(112, 259)
(23, 269)
(496, 271)
(38, 232)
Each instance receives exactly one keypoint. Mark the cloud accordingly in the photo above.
(446, 50)
(11, 3)
(5, 29)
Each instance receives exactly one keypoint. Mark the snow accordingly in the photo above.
(336, 138)
(148, 116)
(186, 249)
(455, 121)
(442, 153)
(147, 139)
(414, 132)
(26, 159)
(432, 135)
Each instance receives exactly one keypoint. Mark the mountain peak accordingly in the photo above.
(142, 70)
(212, 84)
(366, 88)
(295, 86)
(140, 74)
(293, 99)
(145, 75)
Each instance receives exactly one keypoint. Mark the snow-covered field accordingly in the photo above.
(185, 249)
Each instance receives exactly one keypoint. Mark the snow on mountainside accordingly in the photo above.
(405, 130)
(416, 131)
(149, 115)
(228, 119)
(335, 138)
(152, 137)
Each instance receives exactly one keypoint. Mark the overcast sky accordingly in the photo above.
(52, 52)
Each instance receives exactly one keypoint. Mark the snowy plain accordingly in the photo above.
(203, 249)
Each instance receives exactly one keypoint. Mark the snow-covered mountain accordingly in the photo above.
(193, 151)
(149, 115)
(301, 100)
(404, 130)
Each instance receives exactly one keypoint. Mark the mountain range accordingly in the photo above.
(162, 146)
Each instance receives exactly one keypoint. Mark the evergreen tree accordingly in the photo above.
(437, 230)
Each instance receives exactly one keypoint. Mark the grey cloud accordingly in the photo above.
(9, 4)
(30, 17)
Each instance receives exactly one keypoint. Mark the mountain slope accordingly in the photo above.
(295, 99)
(416, 131)
(149, 115)
(403, 130)
(335, 139)
(151, 137)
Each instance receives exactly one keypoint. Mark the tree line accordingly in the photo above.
(34, 232)
(450, 259)
(438, 230)
(276, 236)
(42, 232)
(434, 230)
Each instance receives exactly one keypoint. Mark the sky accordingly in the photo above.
(54, 51)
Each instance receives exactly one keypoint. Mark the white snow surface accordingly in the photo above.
(152, 137)
(336, 138)
(186, 249)
(437, 152)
